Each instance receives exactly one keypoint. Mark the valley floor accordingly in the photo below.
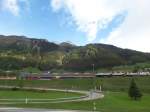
(115, 90)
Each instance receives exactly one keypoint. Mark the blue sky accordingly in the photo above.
(78, 21)
(40, 21)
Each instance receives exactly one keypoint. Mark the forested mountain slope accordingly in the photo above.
(18, 52)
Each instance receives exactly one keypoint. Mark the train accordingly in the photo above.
(109, 74)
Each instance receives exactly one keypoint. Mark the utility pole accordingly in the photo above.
(93, 68)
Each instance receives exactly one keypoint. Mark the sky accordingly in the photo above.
(123, 23)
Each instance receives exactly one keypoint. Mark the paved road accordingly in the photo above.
(88, 95)
(35, 110)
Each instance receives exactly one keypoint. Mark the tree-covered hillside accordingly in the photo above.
(18, 52)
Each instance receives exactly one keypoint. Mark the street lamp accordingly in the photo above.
(94, 104)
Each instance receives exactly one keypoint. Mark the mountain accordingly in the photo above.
(32, 52)
(102, 55)
(22, 43)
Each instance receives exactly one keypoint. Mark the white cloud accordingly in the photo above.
(134, 33)
(12, 6)
(90, 16)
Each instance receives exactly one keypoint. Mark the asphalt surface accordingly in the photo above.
(35, 110)
(89, 95)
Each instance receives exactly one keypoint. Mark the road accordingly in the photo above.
(88, 95)
(35, 110)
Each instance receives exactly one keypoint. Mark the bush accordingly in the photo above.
(15, 89)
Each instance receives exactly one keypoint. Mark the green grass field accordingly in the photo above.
(115, 90)
(108, 84)
(9, 94)
(20, 96)
(112, 102)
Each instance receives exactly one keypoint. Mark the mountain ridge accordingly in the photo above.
(67, 55)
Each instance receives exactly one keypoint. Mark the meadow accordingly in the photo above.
(112, 102)
(115, 90)
(108, 83)
(31, 94)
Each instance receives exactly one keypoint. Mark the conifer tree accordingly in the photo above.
(134, 91)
